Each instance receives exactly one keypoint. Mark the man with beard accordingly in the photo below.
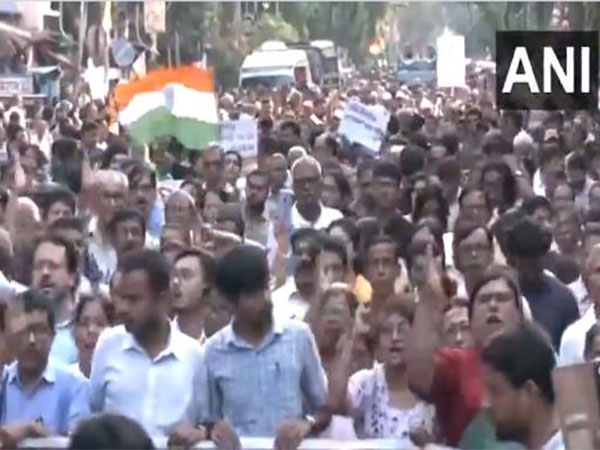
(278, 359)
(147, 369)
(127, 229)
(518, 367)
(55, 273)
(452, 378)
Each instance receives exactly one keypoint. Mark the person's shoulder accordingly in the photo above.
(218, 341)
(558, 286)
(294, 327)
(186, 343)
(66, 374)
(111, 336)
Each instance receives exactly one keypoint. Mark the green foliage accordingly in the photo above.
(269, 27)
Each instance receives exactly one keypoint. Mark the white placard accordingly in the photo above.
(155, 16)
(241, 136)
(451, 62)
(364, 125)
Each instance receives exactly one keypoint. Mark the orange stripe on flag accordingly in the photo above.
(191, 77)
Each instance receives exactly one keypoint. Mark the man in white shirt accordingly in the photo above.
(146, 369)
(573, 340)
(308, 211)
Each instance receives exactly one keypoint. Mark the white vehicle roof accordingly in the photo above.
(327, 47)
(276, 59)
(272, 45)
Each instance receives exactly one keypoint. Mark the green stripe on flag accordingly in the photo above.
(191, 133)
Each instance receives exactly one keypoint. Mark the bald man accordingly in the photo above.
(111, 190)
(573, 339)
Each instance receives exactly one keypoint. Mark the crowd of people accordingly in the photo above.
(423, 293)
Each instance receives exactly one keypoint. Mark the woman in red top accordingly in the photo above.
(450, 378)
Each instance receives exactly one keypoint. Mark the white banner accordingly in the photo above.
(451, 62)
(364, 125)
(241, 136)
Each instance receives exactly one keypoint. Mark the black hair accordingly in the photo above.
(124, 215)
(412, 160)
(527, 239)
(589, 340)
(592, 150)
(524, 354)
(494, 142)
(419, 248)
(431, 192)
(243, 270)
(304, 237)
(292, 125)
(208, 263)
(577, 161)
(137, 173)
(68, 223)
(449, 170)
(468, 190)
(515, 117)
(385, 169)
(493, 273)
(12, 129)
(107, 307)
(36, 300)
(71, 254)
(451, 142)
(152, 263)
(463, 228)
(237, 155)
(334, 245)
(257, 173)
(365, 165)
(380, 240)
(341, 182)
(531, 205)
(349, 227)
(509, 183)
(549, 152)
(269, 145)
(56, 195)
(88, 126)
(110, 431)
(114, 149)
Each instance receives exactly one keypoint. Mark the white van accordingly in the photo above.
(273, 66)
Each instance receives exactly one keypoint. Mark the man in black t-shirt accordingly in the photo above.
(552, 303)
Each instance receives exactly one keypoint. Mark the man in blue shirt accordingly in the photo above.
(277, 359)
(37, 389)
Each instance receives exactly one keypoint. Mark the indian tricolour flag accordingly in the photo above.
(176, 102)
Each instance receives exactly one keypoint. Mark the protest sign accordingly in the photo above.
(241, 136)
(451, 62)
(364, 125)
